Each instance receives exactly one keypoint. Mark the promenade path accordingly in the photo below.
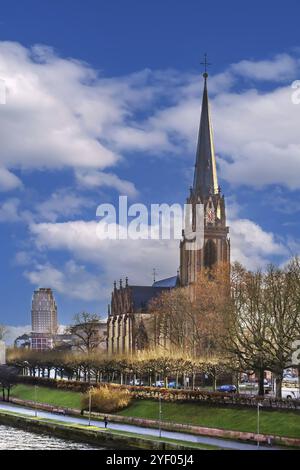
(221, 443)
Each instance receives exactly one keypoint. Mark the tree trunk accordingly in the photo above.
(214, 382)
(236, 381)
(278, 385)
(261, 378)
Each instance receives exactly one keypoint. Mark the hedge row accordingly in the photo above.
(170, 395)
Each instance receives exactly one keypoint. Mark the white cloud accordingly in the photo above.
(22, 258)
(45, 121)
(281, 68)
(256, 134)
(72, 280)
(8, 181)
(259, 134)
(62, 113)
(135, 258)
(96, 179)
(66, 115)
(14, 332)
(63, 203)
(9, 210)
(251, 245)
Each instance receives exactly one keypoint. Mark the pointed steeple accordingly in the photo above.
(205, 176)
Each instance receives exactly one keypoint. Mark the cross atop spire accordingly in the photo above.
(206, 64)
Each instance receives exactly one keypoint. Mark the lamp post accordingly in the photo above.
(159, 405)
(258, 408)
(90, 404)
(35, 401)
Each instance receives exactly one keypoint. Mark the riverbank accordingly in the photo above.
(13, 438)
(191, 415)
(94, 435)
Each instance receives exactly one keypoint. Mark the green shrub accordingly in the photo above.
(106, 399)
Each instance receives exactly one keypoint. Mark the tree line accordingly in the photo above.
(250, 318)
(148, 366)
(230, 321)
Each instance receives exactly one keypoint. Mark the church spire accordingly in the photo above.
(205, 176)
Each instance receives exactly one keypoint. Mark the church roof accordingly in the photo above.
(205, 176)
(167, 282)
(141, 296)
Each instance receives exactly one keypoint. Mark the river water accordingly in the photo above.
(16, 439)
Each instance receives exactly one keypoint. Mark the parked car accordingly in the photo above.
(172, 384)
(59, 411)
(227, 388)
(158, 383)
(267, 386)
(136, 382)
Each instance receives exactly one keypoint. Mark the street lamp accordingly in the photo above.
(90, 404)
(258, 408)
(35, 401)
(159, 402)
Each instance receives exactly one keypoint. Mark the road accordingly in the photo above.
(222, 443)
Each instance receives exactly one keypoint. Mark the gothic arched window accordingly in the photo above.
(210, 254)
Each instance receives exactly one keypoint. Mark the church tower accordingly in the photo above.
(206, 191)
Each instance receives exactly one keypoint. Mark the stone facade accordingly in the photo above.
(130, 325)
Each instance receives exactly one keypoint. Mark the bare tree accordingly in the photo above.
(8, 377)
(210, 303)
(170, 319)
(264, 319)
(281, 303)
(193, 318)
(247, 329)
(86, 330)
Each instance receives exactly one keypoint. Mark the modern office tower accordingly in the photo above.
(2, 352)
(43, 318)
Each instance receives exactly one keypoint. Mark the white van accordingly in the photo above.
(290, 393)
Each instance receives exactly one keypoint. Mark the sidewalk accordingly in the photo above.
(218, 437)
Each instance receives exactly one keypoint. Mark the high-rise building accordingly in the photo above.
(43, 318)
(2, 352)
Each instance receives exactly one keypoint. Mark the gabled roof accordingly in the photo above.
(167, 282)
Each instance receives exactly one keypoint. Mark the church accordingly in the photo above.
(129, 321)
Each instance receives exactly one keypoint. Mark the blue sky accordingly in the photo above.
(103, 98)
